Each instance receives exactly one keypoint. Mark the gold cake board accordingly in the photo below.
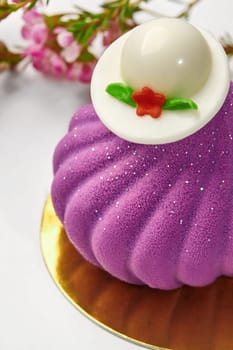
(183, 319)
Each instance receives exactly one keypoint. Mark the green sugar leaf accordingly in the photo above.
(121, 92)
(179, 103)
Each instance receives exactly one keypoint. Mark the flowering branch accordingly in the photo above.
(117, 14)
(227, 43)
(8, 60)
(7, 8)
(63, 45)
(185, 14)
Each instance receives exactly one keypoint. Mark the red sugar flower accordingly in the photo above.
(148, 102)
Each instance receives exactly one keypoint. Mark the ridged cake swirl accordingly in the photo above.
(159, 215)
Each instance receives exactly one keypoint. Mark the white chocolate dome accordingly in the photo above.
(168, 55)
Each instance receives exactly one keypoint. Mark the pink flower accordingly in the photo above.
(26, 32)
(38, 33)
(40, 60)
(80, 71)
(64, 38)
(47, 61)
(86, 72)
(58, 66)
(33, 50)
(35, 28)
(55, 52)
(112, 33)
(32, 16)
(71, 53)
(73, 71)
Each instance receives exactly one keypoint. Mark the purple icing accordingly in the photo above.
(156, 215)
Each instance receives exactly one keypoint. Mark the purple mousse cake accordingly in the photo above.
(153, 213)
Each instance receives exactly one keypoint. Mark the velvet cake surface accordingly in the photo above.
(160, 215)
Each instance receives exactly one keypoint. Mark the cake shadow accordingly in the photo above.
(184, 319)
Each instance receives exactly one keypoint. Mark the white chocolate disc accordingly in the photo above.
(173, 125)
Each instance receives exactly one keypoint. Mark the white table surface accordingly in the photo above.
(34, 114)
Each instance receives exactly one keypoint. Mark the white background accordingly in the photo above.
(34, 114)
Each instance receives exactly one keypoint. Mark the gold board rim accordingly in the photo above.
(43, 227)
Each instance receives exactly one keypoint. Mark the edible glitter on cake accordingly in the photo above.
(159, 215)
